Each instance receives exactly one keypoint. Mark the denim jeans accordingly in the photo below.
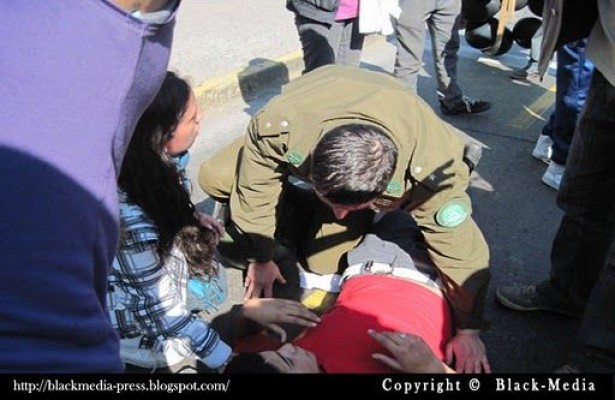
(586, 232)
(573, 76)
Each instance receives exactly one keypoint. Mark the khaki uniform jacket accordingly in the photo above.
(281, 137)
(430, 171)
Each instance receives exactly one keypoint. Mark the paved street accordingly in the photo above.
(516, 212)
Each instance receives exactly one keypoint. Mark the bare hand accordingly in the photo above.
(260, 278)
(270, 312)
(212, 224)
(410, 353)
(469, 353)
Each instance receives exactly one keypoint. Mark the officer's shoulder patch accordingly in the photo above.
(295, 157)
(394, 187)
(452, 214)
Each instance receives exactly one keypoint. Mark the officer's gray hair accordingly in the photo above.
(352, 164)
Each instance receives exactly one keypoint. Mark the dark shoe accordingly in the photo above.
(518, 74)
(529, 72)
(527, 298)
(465, 105)
(525, 75)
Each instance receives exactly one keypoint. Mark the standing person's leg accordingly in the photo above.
(544, 145)
(530, 70)
(586, 195)
(318, 42)
(535, 47)
(410, 34)
(596, 353)
(443, 27)
(573, 77)
(350, 45)
(337, 43)
(444, 24)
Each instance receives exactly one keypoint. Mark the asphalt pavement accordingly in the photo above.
(515, 210)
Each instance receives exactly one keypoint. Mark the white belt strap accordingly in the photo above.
(328, 283)
(333, 282)
(374, 268)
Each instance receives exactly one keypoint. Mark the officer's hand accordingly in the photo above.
(260, 278)
(410, 353)
(469, 353)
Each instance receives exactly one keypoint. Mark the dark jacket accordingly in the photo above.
(318, 10)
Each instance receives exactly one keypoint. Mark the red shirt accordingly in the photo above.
(340, 341)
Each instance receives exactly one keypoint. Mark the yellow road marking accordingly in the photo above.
(534, 111)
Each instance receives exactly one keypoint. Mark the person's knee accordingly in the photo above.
(218, 173)
(213, 181)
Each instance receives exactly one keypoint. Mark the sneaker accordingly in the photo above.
(524, 75)
(553, 175)
(465, 105)
(543, 149)
(529, 72)
(527, 298)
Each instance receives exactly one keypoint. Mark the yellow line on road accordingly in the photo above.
(534, 111)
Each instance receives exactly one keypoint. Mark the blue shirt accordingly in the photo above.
(75, 76)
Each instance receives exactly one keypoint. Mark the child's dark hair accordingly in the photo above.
(151, 179)
(250, 363)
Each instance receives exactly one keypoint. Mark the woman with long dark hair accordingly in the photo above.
(166, 254)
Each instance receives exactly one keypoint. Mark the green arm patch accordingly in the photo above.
(394, 187)
(294, 157)
(452, 214)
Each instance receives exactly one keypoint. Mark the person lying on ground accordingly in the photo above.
(391, 285)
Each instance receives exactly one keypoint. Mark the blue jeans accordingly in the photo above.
(573, 76)
(581, 262)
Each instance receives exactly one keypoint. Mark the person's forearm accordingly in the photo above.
(145, 6)
(233, 324)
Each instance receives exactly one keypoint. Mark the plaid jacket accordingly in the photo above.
(148, 296)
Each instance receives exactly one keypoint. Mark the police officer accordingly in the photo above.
(363, 142)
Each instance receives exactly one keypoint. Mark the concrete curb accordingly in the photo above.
(259, 74)
(250, 80)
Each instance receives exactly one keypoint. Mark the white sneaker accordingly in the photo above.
(164, 354)
(553, 175)
(543, 149)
